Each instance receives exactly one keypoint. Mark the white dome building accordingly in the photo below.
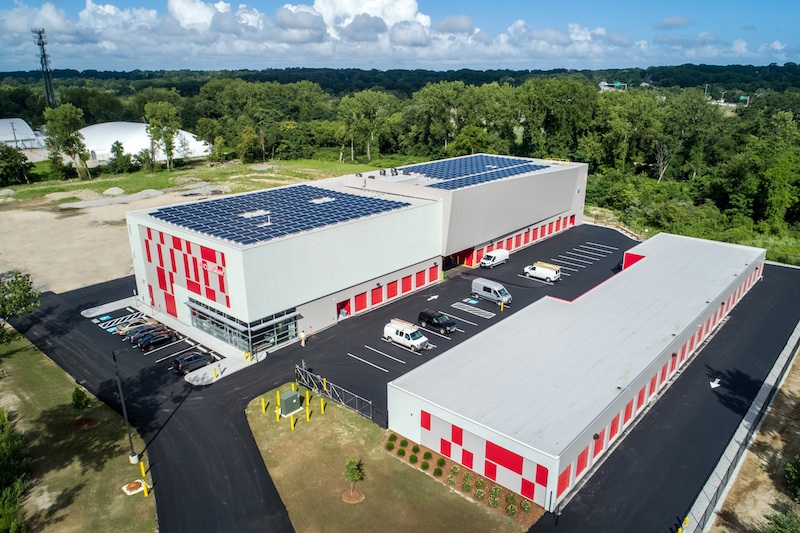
(134, 138)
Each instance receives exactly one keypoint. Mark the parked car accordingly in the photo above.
(429, 318)
(135, 323)
(494, 258)
(151, 342)
(138, 334)
(192, 361)
(405, 334)
(542, 270)
(490, 290)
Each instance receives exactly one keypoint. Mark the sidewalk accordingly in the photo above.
(230, 359)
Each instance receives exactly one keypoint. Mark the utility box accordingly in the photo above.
(290, 403)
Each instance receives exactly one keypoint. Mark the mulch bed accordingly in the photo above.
(523, 519)
(355, 497)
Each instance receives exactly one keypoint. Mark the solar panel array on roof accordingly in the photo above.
(272, 213)
(470, 170)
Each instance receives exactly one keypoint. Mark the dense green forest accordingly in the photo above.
(662, 153)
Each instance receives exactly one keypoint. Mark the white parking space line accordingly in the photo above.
(576, 259)
(409, 350)
(573, 254)
(436, 333)
(385, 354)
(174, 354)
(477, 311)
(367, 362)
(606, 252)
(564, 274)
(566, 268)
(595, 254)
(460, 330)
(601, 245)
(543, 282)
(562, 262)
(162, 347)
(454, 317)
(117, 321)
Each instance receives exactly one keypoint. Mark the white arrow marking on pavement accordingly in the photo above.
(714, 384)
(433, 297)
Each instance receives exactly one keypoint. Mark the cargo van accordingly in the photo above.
(492, 259)
(542, 270)
(405, 334)
(490, 290)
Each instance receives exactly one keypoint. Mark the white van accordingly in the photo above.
(542, 270)
(494, 258)
(405, 334)
(490, 290)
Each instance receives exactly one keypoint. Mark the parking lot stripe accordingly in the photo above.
(606, 252)
(384, 354)
(435, 333)
(601, 245)
(454, 317)
(170, 356)
(566, 268)
(367, 362)
(588, 252)
(162, 347)
(477, 311)
(570, 264)
(585, 257)
(576, 259)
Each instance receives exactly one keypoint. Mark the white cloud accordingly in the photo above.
(670, 23)
(192, 14)
(408, 33)
(364, 28)
(100, 17)
(739, 46)
(455, 24)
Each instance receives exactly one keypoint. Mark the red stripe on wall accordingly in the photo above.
(152, 300)
(193, 286)
(186, 266)
(503, 457)
(208, 254)
(170, 301)
(490, 470)
(640, 399)
(361, 301)
(527, 489)
(433, 274)
(391, 290)
(541, 475)
(425, 420)
(583, 460)
(563, 480)
(196, 269)
(188, 247)
(612, 432)
(227, 301)
(406, 284)
(444, 447)
(628, 412)
(377, 295)
(171, 283)
(654, 384)
(466, 458)
(147, 251)
(211, 294)
(162, 279)
(205, 278)
(149, 234)
(160, 256)
(420, 278)
(221, 279)
(600, 442)
(161, 237)
(176, 243)
(172, 260)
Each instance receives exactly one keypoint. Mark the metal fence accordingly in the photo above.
(338, 394)
(701, 521)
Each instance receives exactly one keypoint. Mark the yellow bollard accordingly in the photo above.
(325, 383)
(277, 414)
(244, 353)
(308, 414)
(501, 306)
(141, 464)
(263, 405)
(292, 385)
(144, 486)
(322, 405)
(278, 396)
(215, 373)
(291, 421)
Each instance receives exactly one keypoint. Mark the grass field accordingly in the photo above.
(76, 474)
(307, 466)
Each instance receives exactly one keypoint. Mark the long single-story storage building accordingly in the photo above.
(534, 401)
(255, 269)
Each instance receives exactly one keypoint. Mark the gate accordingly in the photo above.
(338, 394)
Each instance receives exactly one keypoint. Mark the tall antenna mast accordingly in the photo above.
(49, 90)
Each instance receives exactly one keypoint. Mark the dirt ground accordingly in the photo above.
(66, 249)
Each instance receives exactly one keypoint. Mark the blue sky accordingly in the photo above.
(384, 34)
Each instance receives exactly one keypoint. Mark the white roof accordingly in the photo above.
(549, 370)
(18, 133)
(134, 138)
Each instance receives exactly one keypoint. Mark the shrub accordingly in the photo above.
(424, 465)
(437, 472)
(479, 494)
(525, 505)
(440, 462)
(782, 522)
(427, 456)
(466, 486)
(793, 475)
(415, 448)
(403, 443)
(390, 446)
(511, 498)
(401, 452)
(454, 469)
(494, 501)
(495, 491)
(392, 437)
(511, 510)
(412, 459)
(451, 479)
(480, 484)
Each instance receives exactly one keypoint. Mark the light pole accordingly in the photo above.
(133, 457)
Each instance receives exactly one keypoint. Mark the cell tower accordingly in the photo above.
(49, 90)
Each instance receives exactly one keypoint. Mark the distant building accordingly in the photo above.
(134, 139)
(18, 133)
(616, 86)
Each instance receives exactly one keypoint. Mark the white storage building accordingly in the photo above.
(254, 269)
(534, 401)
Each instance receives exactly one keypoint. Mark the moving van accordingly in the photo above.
(542, 270)
(490, 290)
(494, 258)
(405, 334)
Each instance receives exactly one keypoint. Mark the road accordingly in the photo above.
(208, 473)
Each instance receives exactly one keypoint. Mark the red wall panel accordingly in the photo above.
(509, 242)
(444, 447)
(425, 420)
(527, 489)
(377, 295)
(640, 399)
(170, 301)
(391, 290)
(628, 412)
(457, 435)
(612, 432)
(563, 481)
(420, 278)
(406, 284)
(583, 460)
(490, 470)
(361, 301)
(654, 384)
(503, 457)
(541, 475)
(433, 274)
(599, 442)
(466, 458)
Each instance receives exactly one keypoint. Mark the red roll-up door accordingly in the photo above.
(420, 278)
(391, 290)
(406, 286)
(433, 274)
(377, 296)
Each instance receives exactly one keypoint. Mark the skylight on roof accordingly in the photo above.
(253, 214)
(323, 200)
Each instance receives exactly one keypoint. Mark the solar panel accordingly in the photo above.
(272, 213)
(460, 172)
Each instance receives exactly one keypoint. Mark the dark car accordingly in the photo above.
(136, 337)
(155, 340)
(192, 361)
(436, 321)
(139, 329)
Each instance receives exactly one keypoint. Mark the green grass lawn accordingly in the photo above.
(76, 475)
(307, 466)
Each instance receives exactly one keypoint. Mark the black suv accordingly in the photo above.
(154, 340)
(192, 361)
(436, 321)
